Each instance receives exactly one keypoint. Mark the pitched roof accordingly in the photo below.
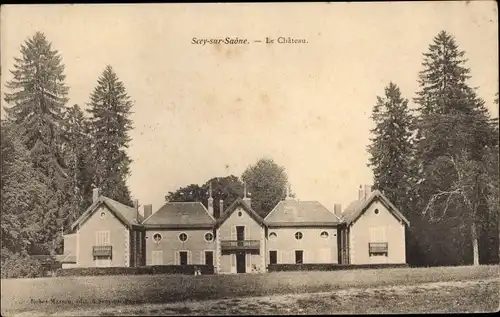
(126, 214)
(240, 203)
(180, 214)
(304, 213)
(357, 207)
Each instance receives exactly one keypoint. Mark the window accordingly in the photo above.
(209, 237)
(273, 257)
(299, 256)
(324, 234)
(157, 257)
(298, 235)
(183, 237)
(273, 235)
(209, 258)
(376, 211)
(102, 215)
(239, 214)
(183, 257)
(102, 238)
(157, 237)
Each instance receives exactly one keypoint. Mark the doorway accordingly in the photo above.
(183, 255)
(273, 257)
(240, 235)
(299, 256)
(240, 262)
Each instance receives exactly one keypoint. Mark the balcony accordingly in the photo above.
(378, 247)
(102, 250)
(232, 245)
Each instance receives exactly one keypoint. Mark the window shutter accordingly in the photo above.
(189, 259)
(249, 262)
(202, 258)
(233, 261)
(247, 233)
(106, 238)
(382, 235)
(176, 258)
(279, 256)
(233, 232)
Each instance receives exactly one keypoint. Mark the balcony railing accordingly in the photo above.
(240, 245)
(378, 247)
(102, 250)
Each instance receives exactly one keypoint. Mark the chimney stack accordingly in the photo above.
(148, 210)
(368, 190)
(221, 207)
(337, 209)
(361, 193)
(95, 195)
(246, 199)
(210, 201)
(288, 193)
(136, 207)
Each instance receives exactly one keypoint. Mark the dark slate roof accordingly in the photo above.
(240, 203)
(301, 213)
(126, 214)
(180, 214)
(355, 209)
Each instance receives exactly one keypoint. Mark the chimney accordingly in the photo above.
(95, 195)
(221, 207)
(136, 207)
(210, 201)
(288, 193)
(246, 199)
(368, 190)
(361, 193)
(148, 210)
(337, 209)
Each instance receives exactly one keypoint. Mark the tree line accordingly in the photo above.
(438, 161)
(53, 154)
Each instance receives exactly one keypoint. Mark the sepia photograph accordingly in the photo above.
(168, 159)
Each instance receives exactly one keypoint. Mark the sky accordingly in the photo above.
(203, 111)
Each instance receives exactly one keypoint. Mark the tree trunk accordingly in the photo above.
(475, 245)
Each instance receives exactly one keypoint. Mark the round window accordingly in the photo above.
(103, 214)
(324, 234)
(209, 237)
(183, 237)
(376, 211)
(157, 237)
(239, 213)
(272, 235)
(298, 235)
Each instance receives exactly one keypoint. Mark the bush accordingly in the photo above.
(328, 267)
(19, 265)
(154, 269)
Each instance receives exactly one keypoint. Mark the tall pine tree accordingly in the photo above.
(36, 102)
(392, 148)
(110, 124)
(454, 135)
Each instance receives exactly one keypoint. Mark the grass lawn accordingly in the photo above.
(476, 289)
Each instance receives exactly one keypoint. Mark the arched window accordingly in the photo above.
(324, 234)
(273, 235)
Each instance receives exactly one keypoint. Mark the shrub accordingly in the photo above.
(327, 267)
(18, 265)
(154, 269)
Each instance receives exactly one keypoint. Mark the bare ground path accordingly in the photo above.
(453, 296)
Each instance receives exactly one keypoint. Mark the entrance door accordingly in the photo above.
(240, 262)
(209, 258)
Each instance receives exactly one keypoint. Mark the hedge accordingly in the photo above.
(328, 267)
(154, 269)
